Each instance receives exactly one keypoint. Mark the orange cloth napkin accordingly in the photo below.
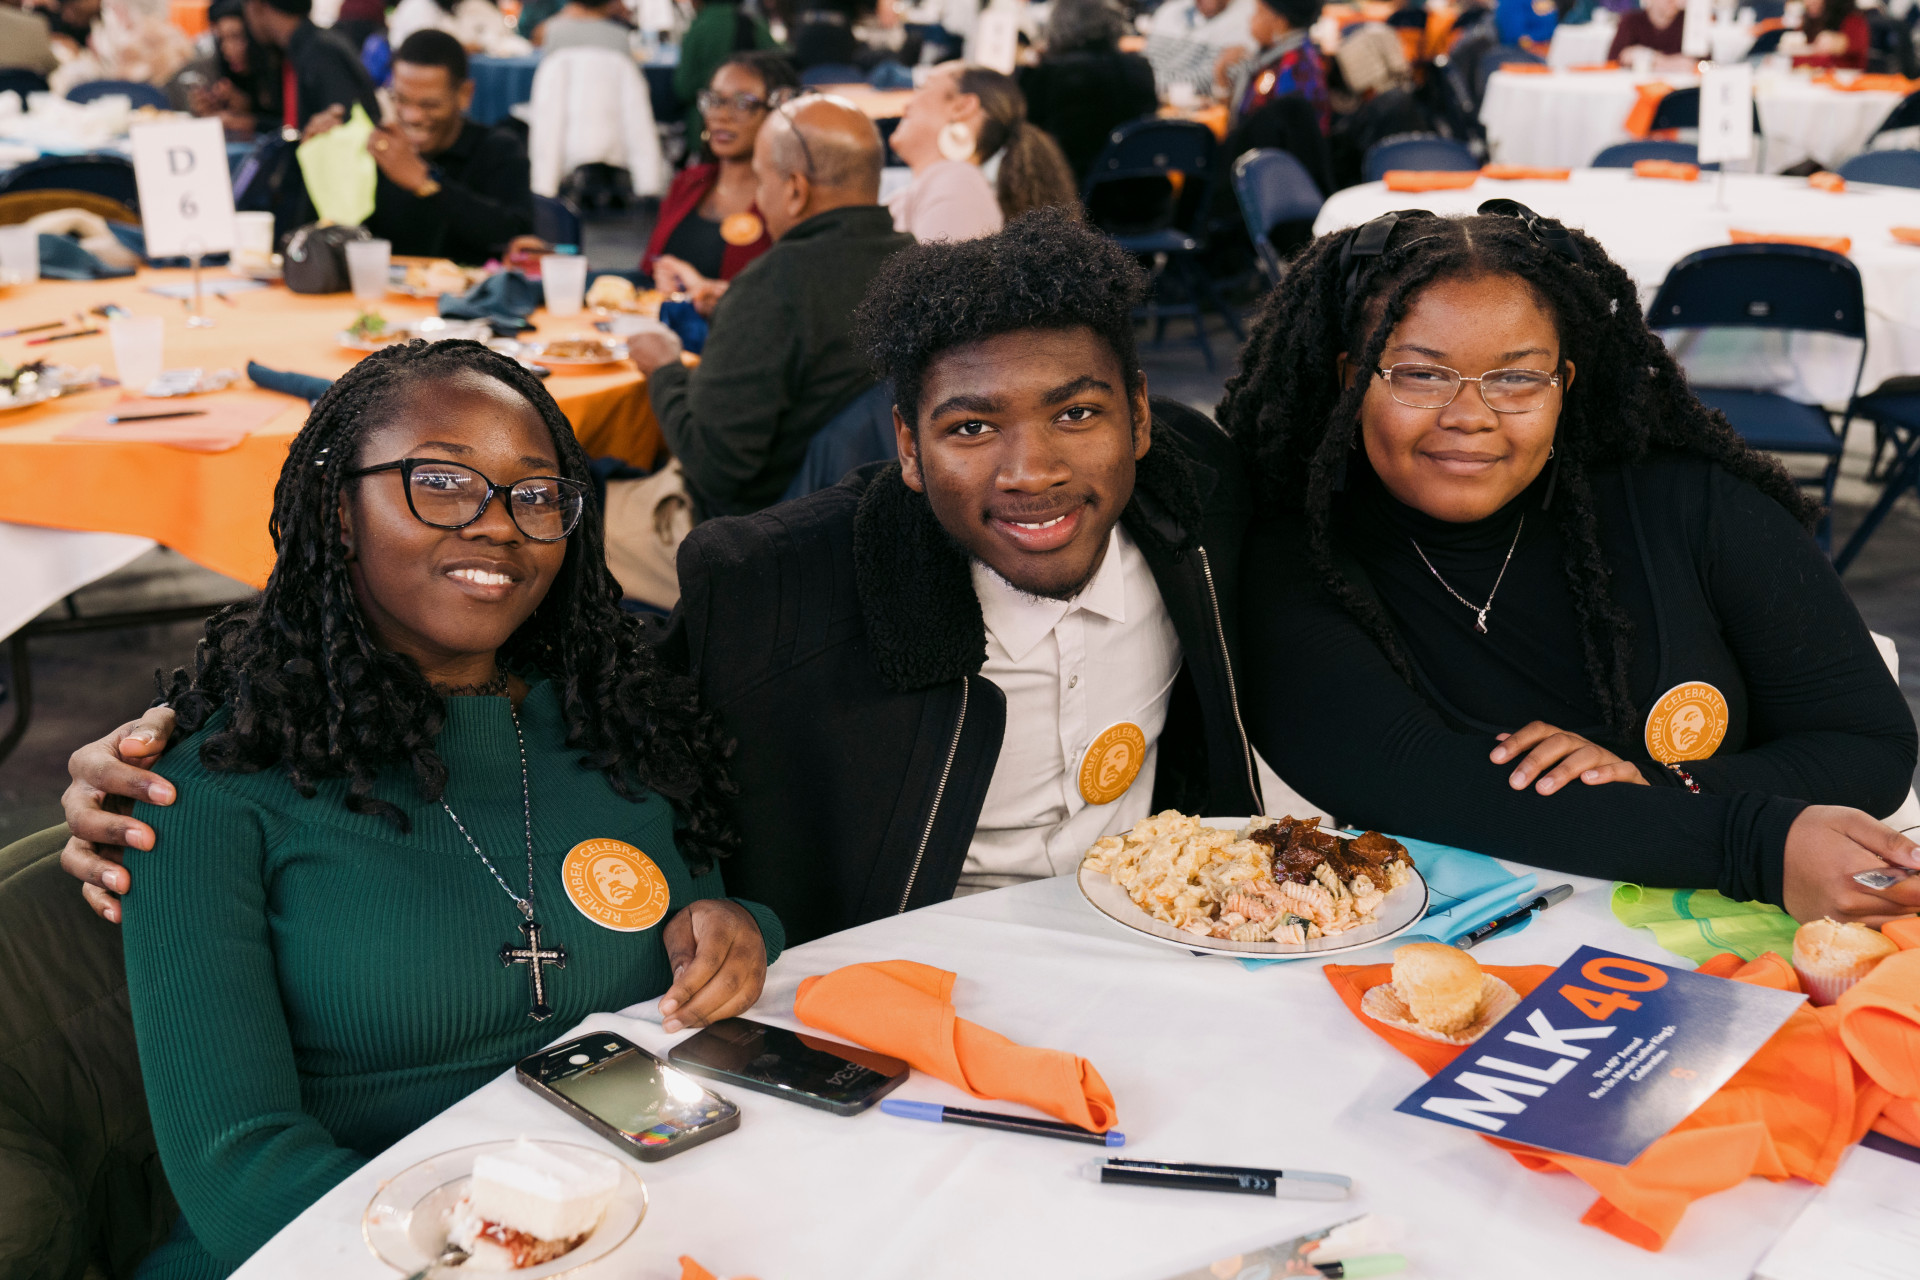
(906, 1009)
(1526, 68)
(1672, 170)
(1907, 235)
(1869, 84)
(1639, 121)
(1827, 181)
(1524, 173)
(1596, 66)
(1430, 179)
(220, 422)
(1791, 1111)
(691, 1270)
(1833, 244)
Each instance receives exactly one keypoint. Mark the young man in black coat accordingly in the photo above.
(960, 669)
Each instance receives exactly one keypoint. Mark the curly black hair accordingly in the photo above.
(312, 693)
(1045, 270)
(1287, 408)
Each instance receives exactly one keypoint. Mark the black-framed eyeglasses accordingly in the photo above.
(1434, 386)
(744, 104)
(452, 495)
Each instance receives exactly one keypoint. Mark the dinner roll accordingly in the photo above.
(1440, 985)
(1830, 957)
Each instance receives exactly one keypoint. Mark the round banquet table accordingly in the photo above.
(1563, 120)
(1208, 1062)
(1648, 224)
(213, 507)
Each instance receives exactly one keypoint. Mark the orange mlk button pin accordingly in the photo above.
(615, 885)
(741, 229)
(1112, 762)
(1688, 722)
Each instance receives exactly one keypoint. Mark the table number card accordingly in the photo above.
(186, 193)
(1726, 113)
(1606, 1055)
(1696, 29)
(996, 37)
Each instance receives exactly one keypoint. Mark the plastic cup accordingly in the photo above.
(253, 238)
(20, 254)
(367, 263)
(139, 350)
(564, 278)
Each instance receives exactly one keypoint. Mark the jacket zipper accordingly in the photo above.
(1233, 693)
(939, 792)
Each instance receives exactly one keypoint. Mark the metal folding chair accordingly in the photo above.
(1890, 168)
(143, 95)
(1273, 187)
(1783, 287)
(1424, 152)
(1624, 155)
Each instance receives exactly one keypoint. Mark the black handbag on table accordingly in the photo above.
(315, 259)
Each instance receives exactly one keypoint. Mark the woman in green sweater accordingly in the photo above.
(433, 746)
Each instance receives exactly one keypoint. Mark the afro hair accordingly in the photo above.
(1046, 270)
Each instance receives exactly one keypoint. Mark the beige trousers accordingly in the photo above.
(647, 520)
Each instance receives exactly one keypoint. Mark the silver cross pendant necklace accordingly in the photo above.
(529, 952)
(1480, 610)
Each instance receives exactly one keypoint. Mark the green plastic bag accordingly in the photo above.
(339, 171)
(1700, 924)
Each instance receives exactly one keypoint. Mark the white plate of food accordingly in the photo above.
(530, 1207)
(373, 331)
(431, 277)
(578, 352)
(36, 382)
(1271, 887)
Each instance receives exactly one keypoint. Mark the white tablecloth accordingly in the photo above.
(39, 566)
(1565, 119)
(1583, 44)
(1649, 224)
(1208, 1062)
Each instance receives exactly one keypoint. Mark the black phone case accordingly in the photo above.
(813, 1100)
(707, 1133)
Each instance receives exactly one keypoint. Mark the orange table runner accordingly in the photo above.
(213, 507)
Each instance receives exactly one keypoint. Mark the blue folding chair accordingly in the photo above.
(1681, 110)
(1424, 151)
(555, 220)
(1905, 115)
(1783, 287)
(1890, 168)
(102, 174)
(143, 95)
(1767, 42)
(1273, 187)
(22, 81)
(1493, 59)
(1895, 415)
(833, 73)
(1624, 155)
(1168, 230)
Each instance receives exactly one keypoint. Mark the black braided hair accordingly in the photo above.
(313, 694)
(1286, 407)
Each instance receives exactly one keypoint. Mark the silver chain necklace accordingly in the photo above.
(1480, 610)
(530, 952)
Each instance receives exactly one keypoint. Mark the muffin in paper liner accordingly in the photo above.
(1830, 957)
(1497, 1000)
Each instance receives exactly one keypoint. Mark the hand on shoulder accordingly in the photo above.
(108, 776)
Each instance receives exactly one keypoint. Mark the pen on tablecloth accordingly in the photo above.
(1470, 940)
(934, 1111)
(33, 328)
(1283, 1184)
(152, 417)
(62, 337)
(1374, 1264)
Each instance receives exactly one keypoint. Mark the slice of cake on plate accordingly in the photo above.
(530, 1204)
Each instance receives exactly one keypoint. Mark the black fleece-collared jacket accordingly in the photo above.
(840, 642)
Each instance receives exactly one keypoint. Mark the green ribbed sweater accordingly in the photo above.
(310, 985)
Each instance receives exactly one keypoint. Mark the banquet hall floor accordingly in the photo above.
(85, 684)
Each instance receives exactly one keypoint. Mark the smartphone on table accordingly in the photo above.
(628, 1096)
(817, 1073)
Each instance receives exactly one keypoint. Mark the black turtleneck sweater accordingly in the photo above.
(1719, 584)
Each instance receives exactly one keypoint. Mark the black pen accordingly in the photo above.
(1468, 941)
(152, 417)
(62, 337)
(1284, 1184)
(908, 1109)
(33, 328)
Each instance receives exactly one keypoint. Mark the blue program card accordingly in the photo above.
(1606, 1055)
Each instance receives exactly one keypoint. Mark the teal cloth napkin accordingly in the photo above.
(1466, 890)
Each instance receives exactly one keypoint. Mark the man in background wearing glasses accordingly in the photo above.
(780, 359)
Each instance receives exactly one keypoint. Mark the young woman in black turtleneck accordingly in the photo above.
(1560, 614)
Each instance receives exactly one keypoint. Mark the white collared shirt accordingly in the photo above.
(1069, 669)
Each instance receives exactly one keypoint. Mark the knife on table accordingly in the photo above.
(1500, 924)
